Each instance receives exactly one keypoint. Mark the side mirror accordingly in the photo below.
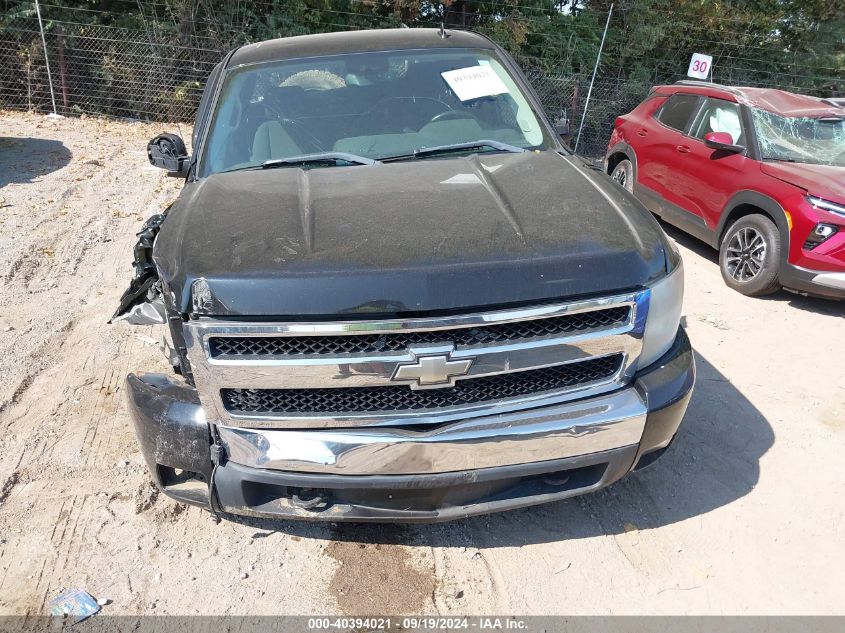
(167, 151)
(722, 141)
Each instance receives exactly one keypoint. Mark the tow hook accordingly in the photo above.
(313, 498)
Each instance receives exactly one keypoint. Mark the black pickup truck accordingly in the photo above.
(393, 295)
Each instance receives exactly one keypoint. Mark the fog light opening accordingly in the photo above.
(820, 234)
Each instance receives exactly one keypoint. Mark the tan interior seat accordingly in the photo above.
(272, 141)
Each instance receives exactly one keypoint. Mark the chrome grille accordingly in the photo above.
(402, 398)
(232, 347)
(357, 372)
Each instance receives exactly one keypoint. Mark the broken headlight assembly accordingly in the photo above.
(142, 303)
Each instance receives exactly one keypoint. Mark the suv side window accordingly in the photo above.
(719, 115)
(677, 111)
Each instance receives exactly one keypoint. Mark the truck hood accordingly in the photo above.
(407, 237)
(825, 181)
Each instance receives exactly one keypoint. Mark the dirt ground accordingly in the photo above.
(743, 515)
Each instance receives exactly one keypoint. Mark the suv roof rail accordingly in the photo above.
(707, 84)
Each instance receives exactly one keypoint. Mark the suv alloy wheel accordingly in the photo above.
(623, 175)
(749, 256)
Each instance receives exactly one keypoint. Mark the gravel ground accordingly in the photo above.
(743, 515)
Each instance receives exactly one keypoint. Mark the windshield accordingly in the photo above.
(819, 141)
(370, 105)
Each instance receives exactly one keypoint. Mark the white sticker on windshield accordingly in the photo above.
(474, 82)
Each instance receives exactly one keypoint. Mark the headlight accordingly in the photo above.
(827, 205)
(664, 316)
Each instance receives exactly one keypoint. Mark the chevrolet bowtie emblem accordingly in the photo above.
(431, 370)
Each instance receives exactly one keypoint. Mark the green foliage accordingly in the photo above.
(648, 40)
(149, 58)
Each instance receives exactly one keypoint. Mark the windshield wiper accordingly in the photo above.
(454, 148)
(324, 158)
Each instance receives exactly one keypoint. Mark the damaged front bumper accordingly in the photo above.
(487, 464)
(174, 435)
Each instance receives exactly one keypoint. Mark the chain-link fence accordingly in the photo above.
(101, 70)
(151, 62)
(565, 97)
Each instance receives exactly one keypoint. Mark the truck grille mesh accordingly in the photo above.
(236, 346)
(341, 400)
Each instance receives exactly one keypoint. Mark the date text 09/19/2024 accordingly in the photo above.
(482, 623)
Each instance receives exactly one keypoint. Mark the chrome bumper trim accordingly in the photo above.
(527, 436)
(831, 280)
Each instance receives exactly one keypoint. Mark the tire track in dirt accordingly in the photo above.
(6, 487)
(56, 342)
(79, 514)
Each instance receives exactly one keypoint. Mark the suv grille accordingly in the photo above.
(234, 346)
(402, 398)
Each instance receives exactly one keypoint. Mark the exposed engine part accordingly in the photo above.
(150, 312)
(145, 302)
(145, 286)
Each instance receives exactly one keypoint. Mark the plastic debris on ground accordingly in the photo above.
(75, 604)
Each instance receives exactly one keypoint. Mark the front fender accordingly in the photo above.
(621, 148)
(763, 202)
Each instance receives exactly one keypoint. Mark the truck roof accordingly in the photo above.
(355, 42)
(769, 99)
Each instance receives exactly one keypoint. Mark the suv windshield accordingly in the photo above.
(819, 141)
(368, 105)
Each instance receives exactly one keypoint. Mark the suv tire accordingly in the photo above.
(749, 256)
(623, 175)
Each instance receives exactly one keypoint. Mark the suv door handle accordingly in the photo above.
(642, 132)
(683, 149)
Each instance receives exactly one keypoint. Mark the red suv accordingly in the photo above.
(757, 173)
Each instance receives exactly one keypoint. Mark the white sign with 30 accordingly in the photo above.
(700, 66)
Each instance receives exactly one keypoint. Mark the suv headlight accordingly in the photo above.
(827, 205)
(664, 316)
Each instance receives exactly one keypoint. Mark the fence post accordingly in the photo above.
(592, 81)
(60, 32)
(46, 58)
